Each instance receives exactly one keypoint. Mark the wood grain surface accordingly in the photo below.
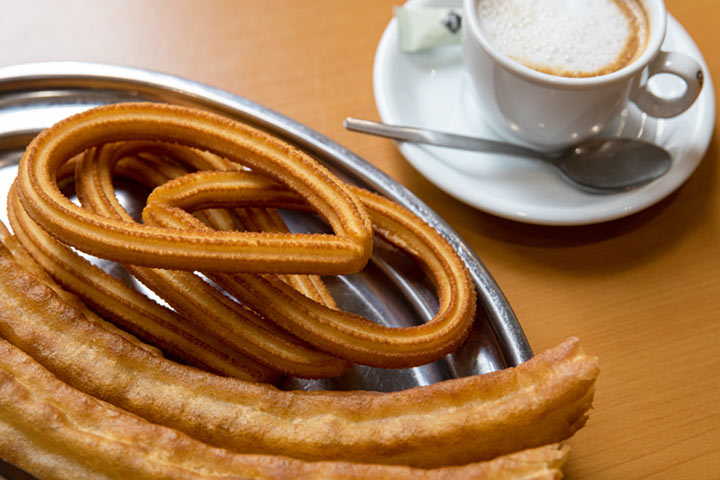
(643, 292)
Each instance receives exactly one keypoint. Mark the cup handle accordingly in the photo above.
(681, 65)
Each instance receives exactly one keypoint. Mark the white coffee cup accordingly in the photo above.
(554, 112)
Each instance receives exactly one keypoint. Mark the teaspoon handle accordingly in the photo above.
(440, 139)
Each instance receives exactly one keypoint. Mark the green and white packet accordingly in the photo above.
(420, 28)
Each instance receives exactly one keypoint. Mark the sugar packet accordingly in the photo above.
(420, 28)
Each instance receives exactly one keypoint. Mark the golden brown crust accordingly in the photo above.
(207, 308)
(343, 334)
(105, 229)
(281, 300)
(152, 164)
(345, 252)
(224, 350)
(28, 263)
(469, 419)
(230, 427)
(54, 431)
(129, 308)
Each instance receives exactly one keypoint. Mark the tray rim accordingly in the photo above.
(29, 77)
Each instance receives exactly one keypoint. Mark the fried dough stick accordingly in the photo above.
(18, 251)
(345, 335)
(127, 307)
(186, 336)
(454, 422)
(240, 328)
(54, 431)
(345, 252)
(341, 334)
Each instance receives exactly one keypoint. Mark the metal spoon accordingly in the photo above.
(599, 164)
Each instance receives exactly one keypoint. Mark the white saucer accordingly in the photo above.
(429, 89)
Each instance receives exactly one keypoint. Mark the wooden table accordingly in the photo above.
(643, 293)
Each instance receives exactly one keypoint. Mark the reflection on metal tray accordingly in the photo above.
(391, 290)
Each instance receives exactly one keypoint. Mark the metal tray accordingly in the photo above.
(391, 290)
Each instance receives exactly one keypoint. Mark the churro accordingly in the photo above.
(225, 349)
(54, 431)
(128, 308)
(246, 304)
(345, 252)
(458, 421)
(345, 335)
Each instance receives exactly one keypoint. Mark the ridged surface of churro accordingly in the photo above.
(57, 432)
(454, 422)
(345, 335)
(290, 302)
(345, 252)
(129, 308)
(81, 398)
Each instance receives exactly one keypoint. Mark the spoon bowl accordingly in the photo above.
(613, 164)
(600, 165)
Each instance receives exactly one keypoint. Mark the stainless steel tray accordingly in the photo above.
(391, 290)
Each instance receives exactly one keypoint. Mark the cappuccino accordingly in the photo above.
(569, 38)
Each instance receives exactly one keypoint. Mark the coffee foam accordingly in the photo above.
(572, 38)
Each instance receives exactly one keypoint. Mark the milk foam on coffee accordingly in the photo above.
(571, 38)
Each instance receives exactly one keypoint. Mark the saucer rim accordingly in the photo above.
(563, 215)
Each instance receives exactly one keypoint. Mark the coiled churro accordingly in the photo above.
(289, 302)
(188, 294)
(345, 335)
(345, 252)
